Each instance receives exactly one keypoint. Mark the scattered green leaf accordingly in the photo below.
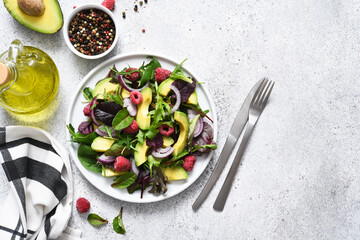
(96, 220)
(118, 224)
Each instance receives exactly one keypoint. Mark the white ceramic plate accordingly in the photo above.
(75, 117)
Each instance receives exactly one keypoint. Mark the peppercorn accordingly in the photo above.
(90, 29)
(136, 8)
(141, 3)
(146, 1)
(124, 15)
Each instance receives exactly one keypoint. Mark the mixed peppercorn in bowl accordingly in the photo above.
(90, 31)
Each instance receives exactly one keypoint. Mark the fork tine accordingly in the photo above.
(261, 101)
(259, 91)
(268, 93)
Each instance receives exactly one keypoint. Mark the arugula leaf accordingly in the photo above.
(96, 220)
(125, 139)
(149, 72)
(118, 224)
(88, 93)
(124, 180)
(207, 146)
(79, 137)
(122, 119)
(152, 132)
(88, 158)
(175, 160)
(141, 136)
(161, 108)
(152, 161)
(113, 75)
(179, 74)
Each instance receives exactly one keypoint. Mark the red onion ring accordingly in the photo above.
(106, 159)
(162, 152)
(92, 112)
(134, 168)
(103, 133)
(199, 124)
(130, 106)
(178, 98)
(130, 89)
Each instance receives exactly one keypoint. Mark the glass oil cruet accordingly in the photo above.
(29, 79)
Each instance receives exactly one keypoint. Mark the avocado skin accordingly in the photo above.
(12, 7)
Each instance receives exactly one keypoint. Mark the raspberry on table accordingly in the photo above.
(161, 74)
(136, 97)
(166, 130)
(122, 164)
(132, 128)
(82, 205)
(189, 162)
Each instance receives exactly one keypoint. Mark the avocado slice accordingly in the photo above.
(142, 117)
(109, 172)
(140, 153)
(183, 121)
(175, 173)
(101, 144)
(168, 141)
(192, 99)
(49, 22)
(164, 87)
(104, 86)
(125, 93)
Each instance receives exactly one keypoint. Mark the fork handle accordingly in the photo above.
(225, 189)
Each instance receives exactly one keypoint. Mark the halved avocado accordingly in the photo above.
(164, 87)
(140, 153)
(183, 121)
(142, 117)
(104, 86)
(50, 22)
(175, 173)
(101, 144)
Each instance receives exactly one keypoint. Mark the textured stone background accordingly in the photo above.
(300, 174)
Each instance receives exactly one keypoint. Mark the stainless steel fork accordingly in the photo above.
(257, 105)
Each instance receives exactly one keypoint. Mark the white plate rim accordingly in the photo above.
(106, 63)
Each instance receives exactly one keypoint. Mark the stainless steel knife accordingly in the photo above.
(235, 132)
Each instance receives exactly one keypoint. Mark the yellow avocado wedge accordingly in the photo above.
(140, 153)
(101, 144)
(50, 22)
(175, 173)
(142, 117)
(183, 121)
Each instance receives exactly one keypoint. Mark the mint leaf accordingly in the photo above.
(118, 223)
(122, 119)
(96, 220)
(124, 180)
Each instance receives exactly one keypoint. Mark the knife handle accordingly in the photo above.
(225, 189)
(224, 156)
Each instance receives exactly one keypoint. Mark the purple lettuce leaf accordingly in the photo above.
(106, 111)
(205, 138)
(86, 127)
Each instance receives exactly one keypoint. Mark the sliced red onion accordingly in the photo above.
(134, 168)
(107, 159)
(178, 98)
(92, 112)
(102, 132)
(130, 106)
(130, 89)
(199, 124)
(162, 152)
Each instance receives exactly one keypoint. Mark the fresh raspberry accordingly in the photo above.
(136, 97)
(109, 4)
(161, 74)
(132, 128)
(82, 205)
(166, 130)
(122, 164)
(86, 110)
(134, 76)
(189, 162)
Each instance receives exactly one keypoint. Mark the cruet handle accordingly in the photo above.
(16, 49)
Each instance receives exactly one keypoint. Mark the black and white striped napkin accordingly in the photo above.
(38, 205)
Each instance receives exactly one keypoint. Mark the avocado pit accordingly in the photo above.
(32, 7)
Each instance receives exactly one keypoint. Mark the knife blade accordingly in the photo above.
(234, 134)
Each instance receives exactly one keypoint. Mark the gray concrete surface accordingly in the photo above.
(300, 174)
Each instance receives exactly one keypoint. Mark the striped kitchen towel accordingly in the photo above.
(39, 202)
